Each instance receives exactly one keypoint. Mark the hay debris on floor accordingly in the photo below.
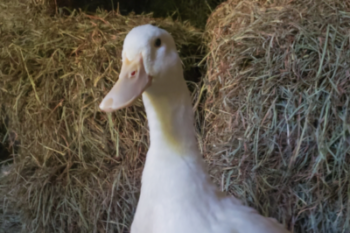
(277, 114)
(78, 170)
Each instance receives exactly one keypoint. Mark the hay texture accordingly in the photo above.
(277, 114)
(77, 169)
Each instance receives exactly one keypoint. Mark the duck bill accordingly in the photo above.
(133, 81)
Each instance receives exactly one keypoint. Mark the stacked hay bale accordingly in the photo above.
(277, 114)
(77, 169)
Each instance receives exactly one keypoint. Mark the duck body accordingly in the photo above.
(177, 195)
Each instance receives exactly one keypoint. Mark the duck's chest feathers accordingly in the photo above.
(173, 194)
(170, 174)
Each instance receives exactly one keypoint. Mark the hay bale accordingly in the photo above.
(78, 170)
(277, 117)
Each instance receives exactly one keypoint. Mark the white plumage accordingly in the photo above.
(177, 195)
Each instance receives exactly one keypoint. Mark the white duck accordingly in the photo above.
(177, 195)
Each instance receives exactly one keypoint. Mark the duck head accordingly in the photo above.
(149, 54)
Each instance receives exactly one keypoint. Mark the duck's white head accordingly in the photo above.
(149, 53)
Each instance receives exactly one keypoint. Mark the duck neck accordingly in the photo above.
(171, 119)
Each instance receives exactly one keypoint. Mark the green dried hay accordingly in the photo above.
(78, 170)
(277, 114)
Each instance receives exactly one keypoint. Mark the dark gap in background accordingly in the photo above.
(195, 11)
(4, 147)
(9, 143)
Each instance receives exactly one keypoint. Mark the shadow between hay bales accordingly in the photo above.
(4, 151)
(194, 11)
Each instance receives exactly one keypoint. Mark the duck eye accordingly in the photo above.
(158, 42)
